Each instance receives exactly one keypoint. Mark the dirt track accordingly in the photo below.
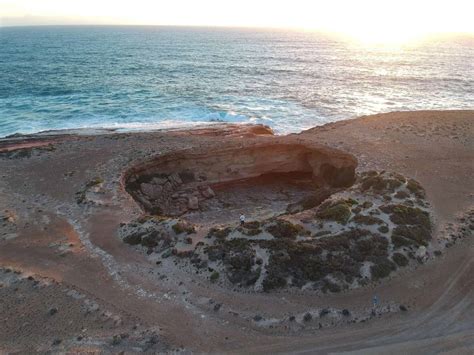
(435, 147)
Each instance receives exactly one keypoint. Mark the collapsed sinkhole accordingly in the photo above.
(357, 235)
(363, 231)
(258, 181)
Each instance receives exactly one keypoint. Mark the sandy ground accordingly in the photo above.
(57, 249)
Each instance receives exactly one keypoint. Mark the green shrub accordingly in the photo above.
(418, 235)
(331, 287)
(116, 340)
(149, 240)
(367, 220)
(252, 225)
(315, 199)
(215, 252)
(393, 184)
(94, 182)
(375, 246)
(133, 239)
(373, 182)
(380, 182)
(273, 281)
(399, 177)
(415, 188)
(402, 195)
(251, 228)
(400, 259)
(182, 227)
(338, 211)
(219, 233)
(351, 201)
(382, 268)
(402, 214)
(214, 276)
(252, 232)
(399, 241)
(368, 173)
(285, 229)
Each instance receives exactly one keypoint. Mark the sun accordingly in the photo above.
(386, 36)
(398, 23)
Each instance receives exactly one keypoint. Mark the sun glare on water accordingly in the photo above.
(387, 36)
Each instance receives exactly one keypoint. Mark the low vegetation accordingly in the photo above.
(214, 276)
(414, 187)
(219, 233)
(382, 268)
(367, 220)
(183, 227)
(338, 211)
(351, 234)
(400, 259)
(284, 229)
(81, 195)
(251, 228)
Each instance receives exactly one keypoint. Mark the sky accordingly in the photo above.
(377, 19)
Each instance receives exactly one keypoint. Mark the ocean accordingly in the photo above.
(138, 78)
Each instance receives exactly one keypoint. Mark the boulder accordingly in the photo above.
(207, 192)
(167, 187)
(421, 252)
(158, 181)
(193, 203)
(187, 176)
(151, 190)
(53, 311)
(175, 179)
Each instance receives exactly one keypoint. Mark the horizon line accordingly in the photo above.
(246, 27)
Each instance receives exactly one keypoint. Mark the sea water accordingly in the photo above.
(157, 77)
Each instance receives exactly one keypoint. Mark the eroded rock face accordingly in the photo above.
(176, 183)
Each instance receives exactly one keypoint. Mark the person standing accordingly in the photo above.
(375, 301)
(242, 219)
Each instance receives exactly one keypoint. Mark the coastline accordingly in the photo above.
(435, 147)
(92, 131)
